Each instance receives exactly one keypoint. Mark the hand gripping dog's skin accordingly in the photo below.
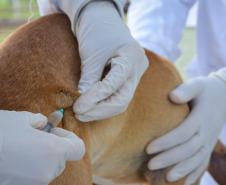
(39, 72)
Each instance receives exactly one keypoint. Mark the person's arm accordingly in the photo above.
(73, 8)
(30, 156)
(211, 38)
(104, 40)
(158, 24)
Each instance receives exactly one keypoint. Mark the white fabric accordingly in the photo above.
(189, 146)
(104, 39)
(72, 8)
(192, 17)
(46, 7)
(30, 156)
(223, 135)
(208, 180)
(158, 24)
(211, 38)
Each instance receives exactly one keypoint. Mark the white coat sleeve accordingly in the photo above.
(221, 73)
(158, 24)
(46, 7)
(73, 8)
(211, 38)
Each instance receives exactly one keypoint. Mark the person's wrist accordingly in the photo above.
(100, 2)
(73, 9)
(95, 8)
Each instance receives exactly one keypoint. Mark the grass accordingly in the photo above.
(4, 32)
(8, 12)
(188, 49)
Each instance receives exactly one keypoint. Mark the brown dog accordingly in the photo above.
(39, 72)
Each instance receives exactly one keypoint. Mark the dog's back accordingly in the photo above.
(39, 69)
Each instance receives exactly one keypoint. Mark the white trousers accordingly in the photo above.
(207, 179)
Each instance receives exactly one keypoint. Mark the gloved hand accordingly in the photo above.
(189, 146)
(104, 40)
(30, 156)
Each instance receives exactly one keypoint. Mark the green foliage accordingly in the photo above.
(19, 12)
(5, 3)
(4, 32)
(188, 49)
(8, 11)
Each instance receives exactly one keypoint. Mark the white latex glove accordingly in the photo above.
(104, 39)
(189, 146)
(47, 7)
(30, 156)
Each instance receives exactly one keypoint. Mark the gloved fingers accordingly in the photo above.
(97, 113)
(194, 176)
(72, 145)
(60, 169)
(188, 166)
(187, 91)
(115, 105)
(119, 73)
(37, 121)
(122, 67)
(88, 80)
(92, 68)
(179, 135)
(27, 118)
(177, 154)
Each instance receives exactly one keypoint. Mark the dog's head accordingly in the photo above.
(39, 66)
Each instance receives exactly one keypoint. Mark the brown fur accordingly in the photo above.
(39, 72)
(217, 166)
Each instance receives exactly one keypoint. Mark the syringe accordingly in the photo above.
(54, 119)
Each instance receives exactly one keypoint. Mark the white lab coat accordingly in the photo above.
(158, 25)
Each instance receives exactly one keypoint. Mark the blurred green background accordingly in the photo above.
(16, 9)
(13, 13)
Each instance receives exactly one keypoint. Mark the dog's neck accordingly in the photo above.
(39, 67)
